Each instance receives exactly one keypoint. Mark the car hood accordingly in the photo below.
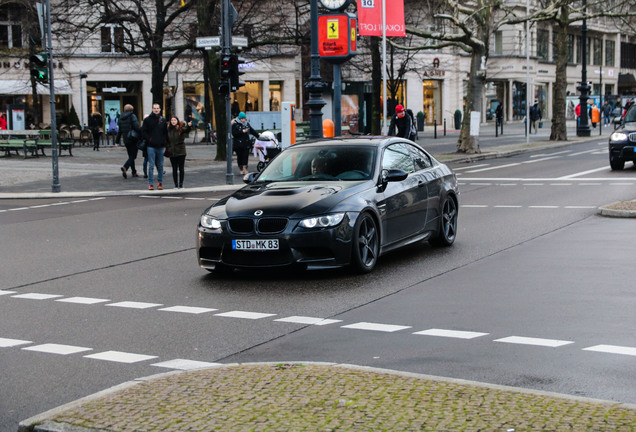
(289, 199)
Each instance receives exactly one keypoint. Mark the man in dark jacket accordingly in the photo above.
(241, 143)
(402, 120)
(535, 115)
(128, 122)
(154, 130)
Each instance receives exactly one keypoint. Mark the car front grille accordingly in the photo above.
(263, 225)
(632, 137)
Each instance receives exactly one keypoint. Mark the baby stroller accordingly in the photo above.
(265, 148)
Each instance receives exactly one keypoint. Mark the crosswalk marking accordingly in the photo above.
(308, 320)
(187, 309)
(612, 349)
(553, 343)
(4, 292)
(451, 333)
(244, 315)
(8, 343)
(388, 328)
(82, 300)
(135, 305)
(51, 348)
(36, 296)
(120, 357)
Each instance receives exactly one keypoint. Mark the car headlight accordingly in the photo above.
(208, 221)
(618, 136)
(323, 221)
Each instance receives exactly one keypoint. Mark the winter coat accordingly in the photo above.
(403, 126)
(176, 141)
(242, 139)
(95, 122)
(535, 113)
(127, 122)
(154, 130)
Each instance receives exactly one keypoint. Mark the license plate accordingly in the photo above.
(258, 245)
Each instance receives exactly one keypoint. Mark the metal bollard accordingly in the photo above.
(496, 128)
(444, 127)
(435, 126)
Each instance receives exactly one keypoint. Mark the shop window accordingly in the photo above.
(194, 103)
(247, 98)
(10, 26)
(432, 101)
(499, 42)
(597, 51)
(275, 95)
(112, 38)
(543, 44)
(396, 95)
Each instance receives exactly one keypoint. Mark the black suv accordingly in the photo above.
(622, 143)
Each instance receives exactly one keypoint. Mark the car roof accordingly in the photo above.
(375, 141)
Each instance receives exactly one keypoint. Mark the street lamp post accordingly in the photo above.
(315, 86)
(82, 75)
(583, 128)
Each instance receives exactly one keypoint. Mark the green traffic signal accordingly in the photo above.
(40, 68)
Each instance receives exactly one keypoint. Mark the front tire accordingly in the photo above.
(366, 244)
(448, 224)
(616, 164)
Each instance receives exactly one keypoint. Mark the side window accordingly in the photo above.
(420, 158)
(397, 156)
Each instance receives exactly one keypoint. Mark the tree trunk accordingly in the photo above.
(559, 127)
(156, 67)
(476, 82)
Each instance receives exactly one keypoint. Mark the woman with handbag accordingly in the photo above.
(176, 149)
(129, 129)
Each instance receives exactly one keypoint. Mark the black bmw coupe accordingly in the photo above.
(330, 203)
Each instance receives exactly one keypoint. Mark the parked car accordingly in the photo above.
(622, 142)
(330, 203)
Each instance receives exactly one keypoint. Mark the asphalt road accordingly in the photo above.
(532, 294)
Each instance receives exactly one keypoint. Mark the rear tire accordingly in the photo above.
(616, 163)
(448, 224)
(366, 244)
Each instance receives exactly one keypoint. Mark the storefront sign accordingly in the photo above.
(336, 37)
(370, 17)
(114, 90)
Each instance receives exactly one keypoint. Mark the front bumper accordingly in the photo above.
(327, 247)
(623, 151)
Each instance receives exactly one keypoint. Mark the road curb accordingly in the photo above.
(610, 211)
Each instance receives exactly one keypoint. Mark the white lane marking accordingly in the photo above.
(621, 184)
(120, 357)
(150, 196)
(583, 152)
(480, 184)
(18, 209)
(580, 207)
(245, 315)
(552, 343)
(550, 154)
(494, 167)
(194, 198)
(187, 309)
(474, 205)
(470, 167)
(6, 343)
(451, 333)
(543, 207)
(388, 328)
(308, 320)
(592, 184)
(172, 197)
(2, 292)
(36, 296)
(83, 300)
(584, 173)
(51, 348)
(541, 160)
(507, 206)
(560, 184)
(612, 349)
(135, 305)
(533, 184)
(184, 364)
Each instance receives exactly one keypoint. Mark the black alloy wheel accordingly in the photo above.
(366, 244)
(448, 224)
(616, 163)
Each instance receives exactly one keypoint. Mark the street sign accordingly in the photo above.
(239, 41)
(208, 41)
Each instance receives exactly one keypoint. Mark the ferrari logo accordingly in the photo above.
(332, 29)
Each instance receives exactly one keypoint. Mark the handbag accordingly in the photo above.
(141, 145)
(132, 137)
(167, 153)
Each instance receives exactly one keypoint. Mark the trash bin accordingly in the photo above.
(458, 119)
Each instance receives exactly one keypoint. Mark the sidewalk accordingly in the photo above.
(91, 173)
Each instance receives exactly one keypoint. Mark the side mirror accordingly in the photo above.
(250, 177)
(393, 175)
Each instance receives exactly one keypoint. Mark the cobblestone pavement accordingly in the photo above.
(327, 397)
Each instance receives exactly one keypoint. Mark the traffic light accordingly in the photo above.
(235, 73)
(40, 67)
(224, 88)
(225, 67)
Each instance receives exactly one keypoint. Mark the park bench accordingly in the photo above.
(19, 140)
(44, 141)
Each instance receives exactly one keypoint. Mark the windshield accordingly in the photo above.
(313, 163)
(630, 117)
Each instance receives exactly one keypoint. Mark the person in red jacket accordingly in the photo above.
(3, 121)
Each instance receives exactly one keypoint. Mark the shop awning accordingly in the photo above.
(19, 87)
(626, 79)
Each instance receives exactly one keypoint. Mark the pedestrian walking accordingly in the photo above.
(400, 123)
(176, 149)
(607, 112)
(535, 115)
(95, 124)
(242, 144)
(499, 115)
(129, 126)
(154, 130)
